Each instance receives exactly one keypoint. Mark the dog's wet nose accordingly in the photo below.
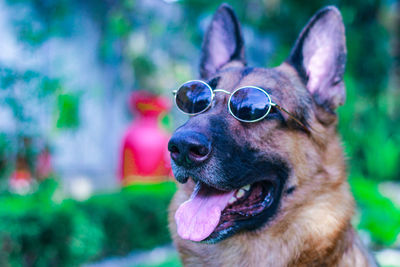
(189, 148)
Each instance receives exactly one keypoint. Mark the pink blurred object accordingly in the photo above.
(43, 164)
(144, 155)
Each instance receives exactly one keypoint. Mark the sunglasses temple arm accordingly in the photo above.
(215, 90)
(290, 114)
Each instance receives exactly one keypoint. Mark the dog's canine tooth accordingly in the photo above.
(240, 193)
(246, 187)
(232, 200)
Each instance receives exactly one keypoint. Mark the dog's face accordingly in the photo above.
(241, 174)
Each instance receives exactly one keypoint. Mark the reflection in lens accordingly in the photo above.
(193, 97)
(249, 104)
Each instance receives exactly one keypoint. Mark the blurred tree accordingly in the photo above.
(25, 94)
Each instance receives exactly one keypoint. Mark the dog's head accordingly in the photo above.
(241, 173)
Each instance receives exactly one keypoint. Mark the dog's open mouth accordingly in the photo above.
(211, 215)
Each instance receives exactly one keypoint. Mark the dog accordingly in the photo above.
(264, 191)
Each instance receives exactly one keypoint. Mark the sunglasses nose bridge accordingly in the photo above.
(221, 90)
(217, 96)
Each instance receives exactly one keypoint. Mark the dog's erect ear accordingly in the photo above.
(319, 55)
(222, 43)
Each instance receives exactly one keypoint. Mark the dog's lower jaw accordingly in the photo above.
(305, 236)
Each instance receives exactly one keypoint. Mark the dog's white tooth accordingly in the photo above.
(246, 187)
(240, 193)
(232, 200)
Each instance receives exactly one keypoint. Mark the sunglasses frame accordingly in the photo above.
(254, 87)
(271, 104)
(175, 92)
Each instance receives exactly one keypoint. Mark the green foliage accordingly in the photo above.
(166, 122)
(68, 111)
(144, 68)
(135, 218)
(379, 216)
(50, 86)
(119, 25)
(35, 231)
(39, 230)
(22, 91)
(46, 19)
(5, 154)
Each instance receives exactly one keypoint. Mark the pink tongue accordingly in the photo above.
(197, 218)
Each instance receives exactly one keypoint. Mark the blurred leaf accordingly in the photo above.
(50, 86)
(68, 111)
(166, 122)
(7, 78)
(5, 154)
(119, 24)
(376, 211)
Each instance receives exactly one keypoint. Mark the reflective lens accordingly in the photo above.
(193, 97)
(249, 104)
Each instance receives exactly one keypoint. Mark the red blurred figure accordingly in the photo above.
(21, 179)
(144, 154)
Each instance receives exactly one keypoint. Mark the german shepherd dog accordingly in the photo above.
(261, 171)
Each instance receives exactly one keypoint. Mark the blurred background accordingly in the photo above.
(86, 109)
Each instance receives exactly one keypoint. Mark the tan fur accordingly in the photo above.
(312, 226)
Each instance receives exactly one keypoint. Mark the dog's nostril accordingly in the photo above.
(198, 151)
(174, 150)
(188, 148)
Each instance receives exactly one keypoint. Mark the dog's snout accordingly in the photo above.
(189, 148)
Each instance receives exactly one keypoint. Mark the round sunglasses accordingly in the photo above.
(246, 104)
